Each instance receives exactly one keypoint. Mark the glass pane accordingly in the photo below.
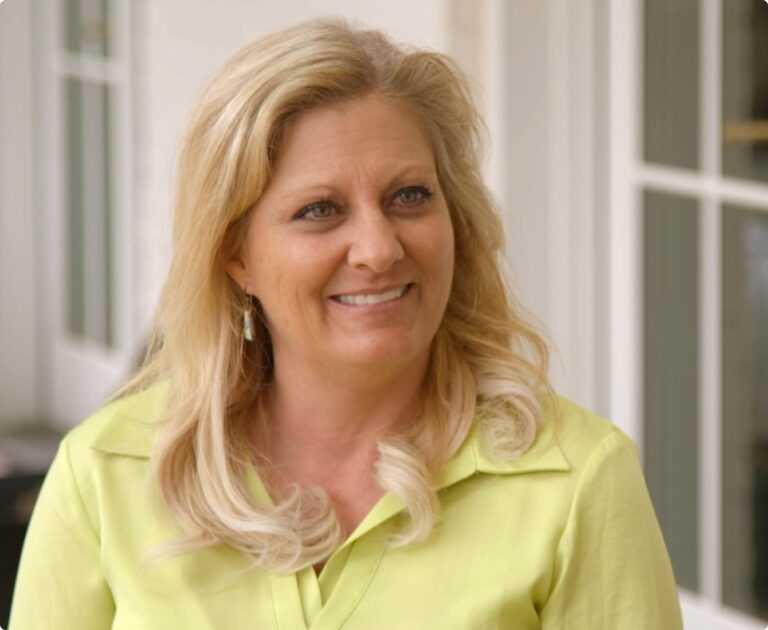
(87, 26)
(72, 25)
(671, 94)
(671, 358)
(75, 257)
(745, 410)
(745, 89)
(88, 167)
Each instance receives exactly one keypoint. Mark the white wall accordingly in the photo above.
(17, 224)
(546, 90)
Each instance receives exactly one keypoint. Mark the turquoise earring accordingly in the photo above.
(248, 327)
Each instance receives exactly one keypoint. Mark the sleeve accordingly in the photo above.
(60, 583)
(611, 568)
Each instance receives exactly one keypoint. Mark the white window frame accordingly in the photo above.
(76, 375)
(531, 62)
(628, 177)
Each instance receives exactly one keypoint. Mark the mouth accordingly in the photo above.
(368, 299)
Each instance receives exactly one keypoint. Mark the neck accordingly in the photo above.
(320, 420)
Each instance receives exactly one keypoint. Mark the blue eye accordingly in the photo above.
(413, 195)
(317, 211)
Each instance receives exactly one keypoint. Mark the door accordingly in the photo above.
(84, 144)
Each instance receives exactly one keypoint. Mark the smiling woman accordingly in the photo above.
(360, 277)
(383, 434)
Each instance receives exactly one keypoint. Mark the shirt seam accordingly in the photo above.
(615, 434)
(363, 590)
(75, 483)
(274, 603)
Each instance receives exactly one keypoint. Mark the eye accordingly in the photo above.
(412, 196)
(317, 211)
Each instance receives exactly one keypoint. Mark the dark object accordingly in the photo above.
(17, 498)
(25, 455)
(760, 524)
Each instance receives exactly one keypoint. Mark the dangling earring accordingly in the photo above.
(248, 327)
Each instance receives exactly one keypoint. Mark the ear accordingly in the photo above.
(238, 271)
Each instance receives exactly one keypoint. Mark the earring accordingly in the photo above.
(248, 326)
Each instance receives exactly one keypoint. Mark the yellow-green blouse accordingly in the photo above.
(565, 537)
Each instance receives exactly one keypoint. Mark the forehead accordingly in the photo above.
(369, 132)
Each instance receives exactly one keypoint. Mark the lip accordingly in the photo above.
(370, 290)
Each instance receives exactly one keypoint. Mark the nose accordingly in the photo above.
(374, 242)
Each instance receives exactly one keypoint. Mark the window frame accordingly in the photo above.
(629, 176)
(77, 374)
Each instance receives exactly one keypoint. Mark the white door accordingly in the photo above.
(84, 144)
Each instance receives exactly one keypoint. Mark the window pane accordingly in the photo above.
(89, 210)
(745, 89)
(72, 25)
(671, 358)
(75, 253)
(87, 26)
(671, 95)
(745, 410)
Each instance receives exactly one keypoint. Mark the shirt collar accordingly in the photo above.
(131, 425)
(544, 455)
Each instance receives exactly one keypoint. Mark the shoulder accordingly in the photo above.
(582, 435)
(127, 426)
(608, 534)
(573, 440)
(604, 470)
(84, 474)
(569, 440)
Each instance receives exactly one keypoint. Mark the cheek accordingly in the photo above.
(447, 255)
(442, 248)
(450, 248)
(289, 274)
(433, 250)
(266, 275)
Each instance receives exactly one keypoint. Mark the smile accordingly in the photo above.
(366, 299)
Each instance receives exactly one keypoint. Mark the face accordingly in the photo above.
(350, 248)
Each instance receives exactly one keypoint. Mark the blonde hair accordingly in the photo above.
(487, 364)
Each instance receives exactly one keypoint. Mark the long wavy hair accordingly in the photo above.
(487, 364)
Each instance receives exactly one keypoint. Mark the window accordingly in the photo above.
(85, 148)
(701, 178)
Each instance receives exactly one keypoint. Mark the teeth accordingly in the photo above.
(372, 298)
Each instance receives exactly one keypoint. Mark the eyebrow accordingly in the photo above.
(323, 188)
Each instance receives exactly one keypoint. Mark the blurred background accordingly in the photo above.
(629, 155)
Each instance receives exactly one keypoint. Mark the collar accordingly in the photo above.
(544, 455)
(130, 428)
(129, 425)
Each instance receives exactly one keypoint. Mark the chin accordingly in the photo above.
(392, 353)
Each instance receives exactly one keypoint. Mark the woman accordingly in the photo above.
(342, 420)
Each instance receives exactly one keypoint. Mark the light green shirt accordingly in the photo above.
(563, 538)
